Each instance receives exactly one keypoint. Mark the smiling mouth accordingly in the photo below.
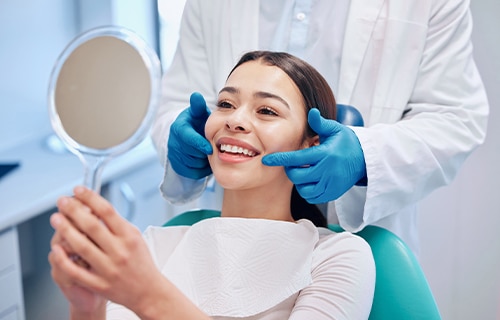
(236, 150)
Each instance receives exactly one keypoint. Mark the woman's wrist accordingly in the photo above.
(98, 314)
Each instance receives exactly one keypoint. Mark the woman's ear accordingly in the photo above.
(311, 142)
(314, 141)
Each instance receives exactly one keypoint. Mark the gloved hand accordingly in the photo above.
(187, 146)
(323, 173)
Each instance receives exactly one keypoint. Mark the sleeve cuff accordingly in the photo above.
(180, 190)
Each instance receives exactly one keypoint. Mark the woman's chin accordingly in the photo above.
(232, 184)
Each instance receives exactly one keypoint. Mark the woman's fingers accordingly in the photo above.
(120, 234)
(118, 258)
(67, 274)
(104, 273)
(87, 221)
(88, 235)
(58, 239)
(56, 259)
(82, 250)
(102, 209)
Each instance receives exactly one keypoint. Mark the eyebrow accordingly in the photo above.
(258, 94)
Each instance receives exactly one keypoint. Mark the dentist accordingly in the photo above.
(406, 66)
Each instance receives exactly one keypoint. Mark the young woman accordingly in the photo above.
(263, 259)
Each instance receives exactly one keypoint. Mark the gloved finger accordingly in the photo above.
(187, 156)
(299, 158)
(198, 106)
(303, 175)
(323, 127)
(195, 170)
(190, 172)
(184, 136)
(307, 181)
(312, 192)
(191, 142)
(194, 162)
(321, 197)
(189, 166)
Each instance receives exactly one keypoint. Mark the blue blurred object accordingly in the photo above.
(349, 116)
(5, 168)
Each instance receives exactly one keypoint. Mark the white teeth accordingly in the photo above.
(235, 149)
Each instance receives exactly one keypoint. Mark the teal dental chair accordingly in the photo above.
(401, 288)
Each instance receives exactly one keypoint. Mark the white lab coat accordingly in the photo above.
(406, 65)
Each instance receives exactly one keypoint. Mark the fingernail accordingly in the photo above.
(55, 220)
(79, 190)
(62, 201)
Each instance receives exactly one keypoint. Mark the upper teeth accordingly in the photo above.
(235, 149)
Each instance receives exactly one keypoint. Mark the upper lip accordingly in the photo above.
(237, 143)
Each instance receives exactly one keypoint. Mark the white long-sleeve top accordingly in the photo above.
(236, 268)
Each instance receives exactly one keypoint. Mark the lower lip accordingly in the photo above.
(233, 158)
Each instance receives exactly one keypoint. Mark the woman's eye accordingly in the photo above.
(268, 111)
(224, 104)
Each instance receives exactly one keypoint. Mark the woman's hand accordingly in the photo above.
(113, 263)
(82, 300)
(65, 267)
(118, 265)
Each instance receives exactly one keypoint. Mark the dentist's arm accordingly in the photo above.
(323, 173)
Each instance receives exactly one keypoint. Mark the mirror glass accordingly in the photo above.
(103, 94)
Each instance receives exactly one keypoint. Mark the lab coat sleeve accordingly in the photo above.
(444, 121)
(178, 189)
(188, 72)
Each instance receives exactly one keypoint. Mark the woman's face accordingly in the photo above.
(260, 111)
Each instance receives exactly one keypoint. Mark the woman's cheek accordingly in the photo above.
(209, 129)
(285, 141)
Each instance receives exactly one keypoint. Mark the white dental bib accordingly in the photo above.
(237, 267)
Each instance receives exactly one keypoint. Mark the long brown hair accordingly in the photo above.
(316, 94)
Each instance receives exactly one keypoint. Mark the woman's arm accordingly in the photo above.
(343, 280)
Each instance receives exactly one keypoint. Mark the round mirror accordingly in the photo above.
(103, 95)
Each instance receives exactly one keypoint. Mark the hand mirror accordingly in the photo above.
(103, 95)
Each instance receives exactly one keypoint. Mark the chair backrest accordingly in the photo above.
(349, 116)
(401, 288)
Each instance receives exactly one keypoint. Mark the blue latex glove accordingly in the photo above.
(325, 172)
(187, 146)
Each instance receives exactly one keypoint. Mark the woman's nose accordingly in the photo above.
(238, 121)
(232, 126)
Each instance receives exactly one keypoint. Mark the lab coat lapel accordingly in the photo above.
(246, 24)
(360, 23)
